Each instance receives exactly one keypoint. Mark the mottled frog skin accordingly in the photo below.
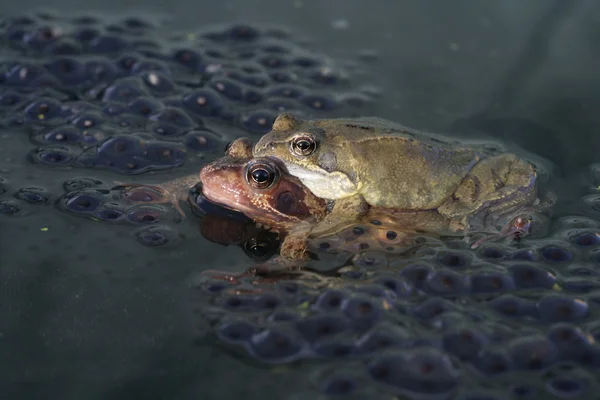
(386, 165)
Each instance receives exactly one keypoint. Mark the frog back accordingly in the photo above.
(397, 167)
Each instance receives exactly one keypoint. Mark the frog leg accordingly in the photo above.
(495, 184)
(171, 192)
(343, 213)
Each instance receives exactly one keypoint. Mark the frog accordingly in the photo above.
(370, 162)
(263, 189)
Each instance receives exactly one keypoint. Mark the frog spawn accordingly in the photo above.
(92, 83)
(454, 312)
(459, 316)
(496, 312)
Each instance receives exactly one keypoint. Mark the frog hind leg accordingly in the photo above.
(344, 212)
(171, 192)
(495, 184)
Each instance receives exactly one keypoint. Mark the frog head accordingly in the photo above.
(261, 188)
(312, 151)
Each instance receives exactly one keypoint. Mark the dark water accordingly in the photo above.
(102, 299)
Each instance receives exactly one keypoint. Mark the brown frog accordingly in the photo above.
(360, 162)
(262, 189)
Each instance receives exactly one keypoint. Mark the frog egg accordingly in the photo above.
(164, 155)
(417, 274)
(109, 214)
(101, 71)
(276, 345)
(282, 76)
(106, 44)
(286, 91)
(380, 338)
(124, 91)
(51, 156)
(274, 61)
(204, 102)
(330, 244)
(493, 361)
(156, 81)
(64, 135)
(480, 395)
(280, 105)
(532, 353)
(318, 102)
(420, 372)
(431, 308)
(492, 252)
(492, 283)
(568, 386)
(3, 186)
(325, 76)
(252, 96)
(464, 342)
(581, 270)
(284, 316)
(32, 195)
(82, 202)
(144, 215)
(188, 58)
(70, 71)
(330, 300)
(515, 307)
(228, 89)
(338, 386)
(562, 308)
(41, 37)
(119, 146)
(144, 107)
(8, 207)
(454, 259)
(43, 109)
(236, 331)
(10, 99)
(335, 348)
(587, 239)
(530, 276)
(525, 255)
(173, 115)
(370, 259)
(81, 183)
(317, 327)
(259, 122)
(567, 338)
(448, 283)
(556, 254)
(363, 312)
(142, 194)
(400, 287)
(87, 120)
(201, 140)
(166, 129)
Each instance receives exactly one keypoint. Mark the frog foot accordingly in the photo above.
(138, 193)
(295, 245)
(518, 227)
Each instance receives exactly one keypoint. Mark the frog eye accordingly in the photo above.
(303, 145)
(261, 175)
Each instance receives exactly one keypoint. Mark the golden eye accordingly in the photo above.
(303, 145)
(261, 175)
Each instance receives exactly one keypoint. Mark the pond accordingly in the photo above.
(104, 297)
